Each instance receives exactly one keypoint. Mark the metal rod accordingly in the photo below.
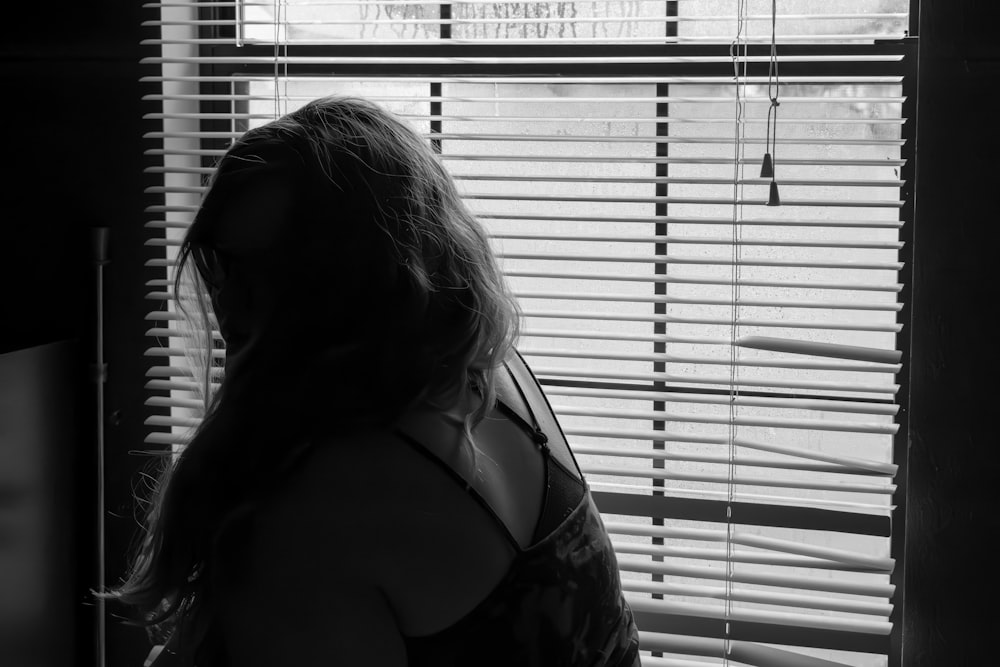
(99, 247)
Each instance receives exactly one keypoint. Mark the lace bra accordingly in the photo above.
(560, 602)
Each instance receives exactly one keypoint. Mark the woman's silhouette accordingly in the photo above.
(379, 479)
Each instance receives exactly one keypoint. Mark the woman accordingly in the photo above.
(379, 479)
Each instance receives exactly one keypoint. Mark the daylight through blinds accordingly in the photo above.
(726, 371)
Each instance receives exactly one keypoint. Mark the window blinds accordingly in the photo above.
(729, 373)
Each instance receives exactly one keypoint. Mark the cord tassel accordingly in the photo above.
(772, 196)
(767, 167)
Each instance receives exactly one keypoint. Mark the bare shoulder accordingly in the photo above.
(359, 503)
(310, 592)
(373, 510)
(344, 492)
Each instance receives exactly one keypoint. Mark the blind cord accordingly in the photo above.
(277, 57)
(767, 168)
(284, 51)
(738, 51)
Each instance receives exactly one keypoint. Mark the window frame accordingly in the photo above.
(710, 509)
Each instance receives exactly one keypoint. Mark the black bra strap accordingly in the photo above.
(533, 430)
(556, 506)
(559, 450)
(563, 489)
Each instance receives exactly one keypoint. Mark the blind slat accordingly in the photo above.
(788, 201)
(556, 139)
(663, 436)
(723, 496)
(738, 479)
(831, 78)
(797, 582)
(861, 367)
(700, 280)
(738, 420)
(737, 556)
(676, 396)
(740, 320)
(459, 41)
(831, 224)
(747, 539)
(674, 436)
(513, 60)
(814, 348)
(623, 238)
(707, 261)
(537, 178)
(743, 302)
(744, 652)
(761, 597)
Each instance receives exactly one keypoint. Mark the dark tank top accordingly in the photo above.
(560, 602)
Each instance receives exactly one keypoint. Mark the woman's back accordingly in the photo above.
(313, 516)
(438, 561)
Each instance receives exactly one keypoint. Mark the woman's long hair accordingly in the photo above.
(390, 297)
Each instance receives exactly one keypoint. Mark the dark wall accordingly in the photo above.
(73, 161)
(38, 539)
(952, 518)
